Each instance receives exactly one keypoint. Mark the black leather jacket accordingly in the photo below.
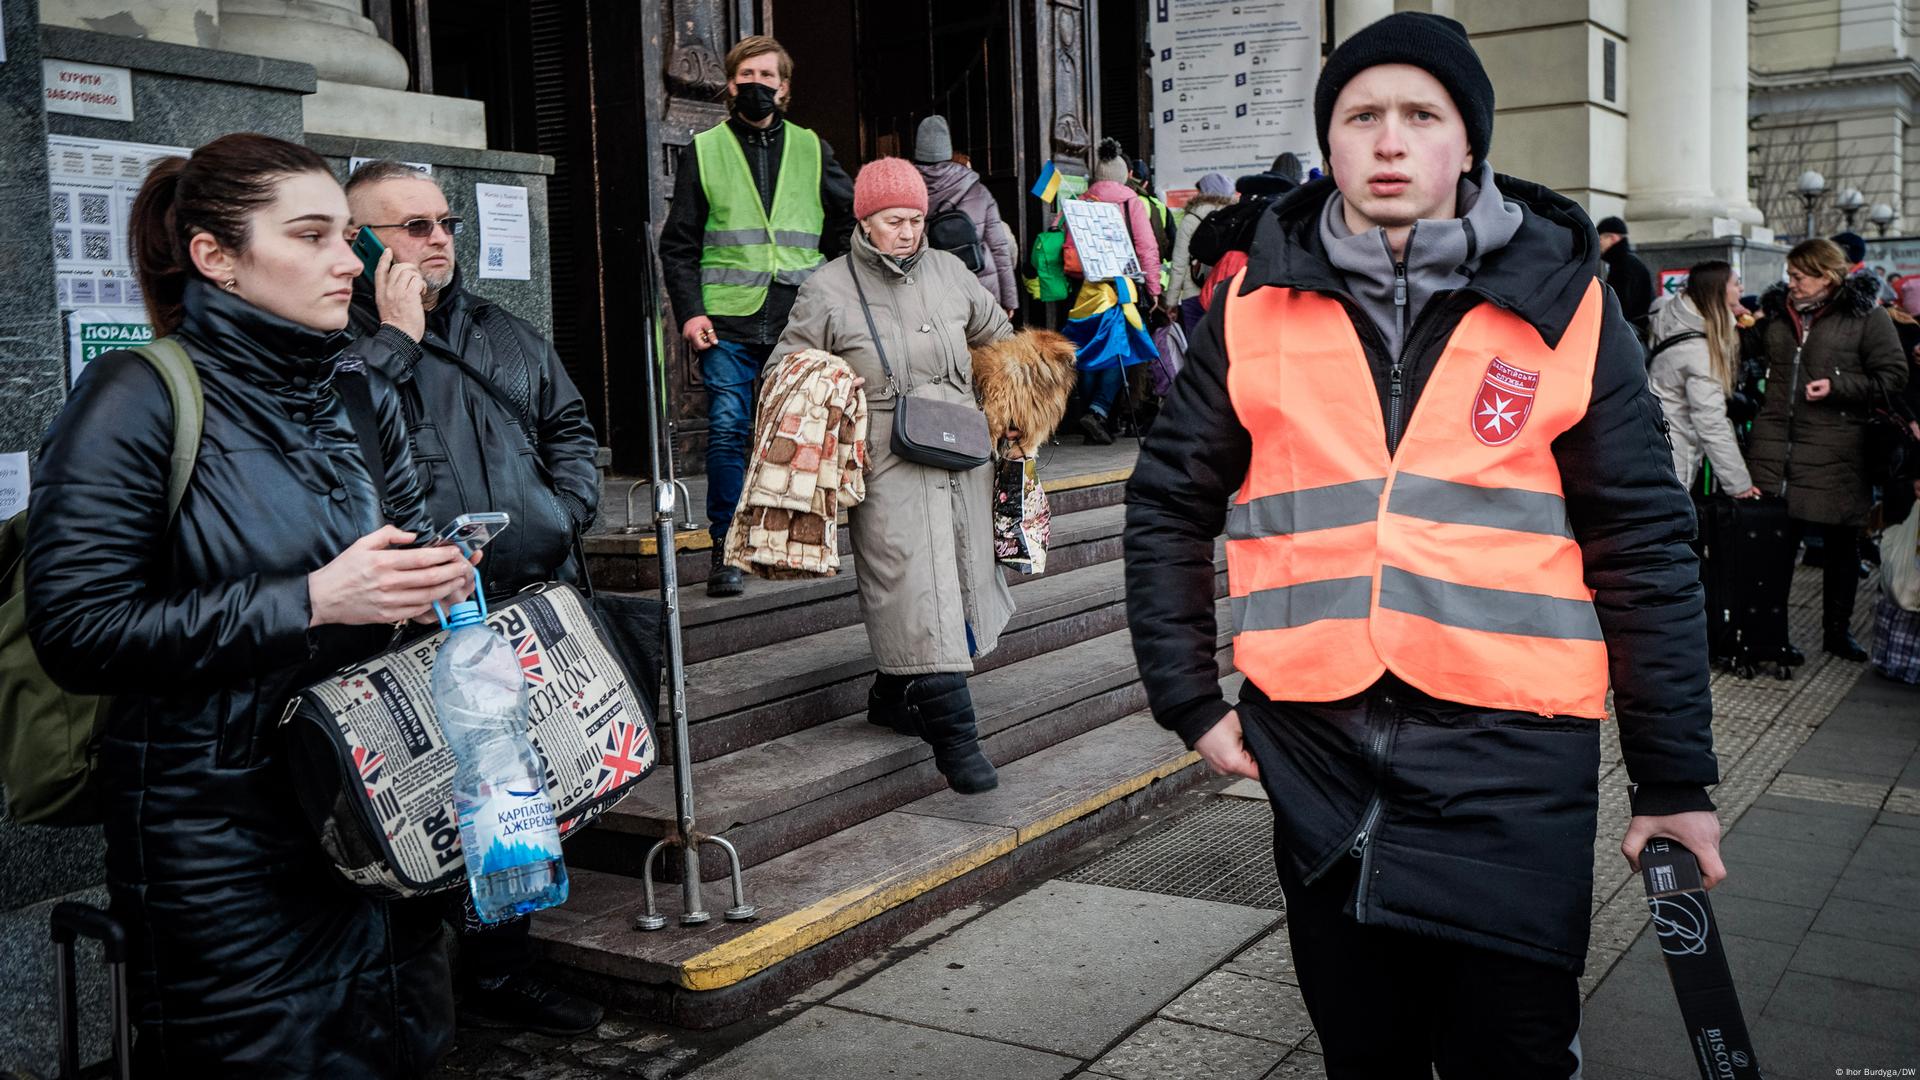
(468, 444)
(251, 955)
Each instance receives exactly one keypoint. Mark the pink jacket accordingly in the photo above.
(1135, 208)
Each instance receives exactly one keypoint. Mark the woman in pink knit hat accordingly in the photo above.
(931, 593)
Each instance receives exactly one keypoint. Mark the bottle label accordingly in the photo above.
(512, 825)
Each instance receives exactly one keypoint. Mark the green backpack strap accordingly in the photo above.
(175, 368)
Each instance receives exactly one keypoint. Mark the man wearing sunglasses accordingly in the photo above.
(496, 425)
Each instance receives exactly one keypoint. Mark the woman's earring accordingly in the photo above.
(230, 285)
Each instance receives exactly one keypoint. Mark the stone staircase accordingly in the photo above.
(849, 836)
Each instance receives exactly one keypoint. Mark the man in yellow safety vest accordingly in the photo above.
(758, 203)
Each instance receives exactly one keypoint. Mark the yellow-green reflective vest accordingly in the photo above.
(745, 249)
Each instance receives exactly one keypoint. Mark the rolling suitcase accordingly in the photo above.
(1746, 563)
(71, 920)
(1696, 962)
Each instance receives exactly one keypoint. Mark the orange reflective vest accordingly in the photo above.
(1449, 562)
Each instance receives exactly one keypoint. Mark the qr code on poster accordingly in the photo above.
(95, 210)
(62, 209)
(496, 256)
(96, 245)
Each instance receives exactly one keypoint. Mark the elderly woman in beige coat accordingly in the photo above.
(931, 593)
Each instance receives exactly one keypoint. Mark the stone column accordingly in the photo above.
(332, 35)
(182, 22)
(1670, 192)
(363, 80)
(1729, 77)
(1351, 15)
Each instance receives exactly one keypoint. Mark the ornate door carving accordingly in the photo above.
(1065, 76)
(685, 44)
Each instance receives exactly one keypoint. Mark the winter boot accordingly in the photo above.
(724, 580)
(887, 704)
(944, 710)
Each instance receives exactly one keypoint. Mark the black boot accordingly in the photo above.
(1791, 655)
(887, 704)
(1094, 427)
(1841, 644)
(525, 1002)
(944, 709)
(724, 580)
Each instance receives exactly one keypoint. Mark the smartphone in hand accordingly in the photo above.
(369, 248)
(469, 532)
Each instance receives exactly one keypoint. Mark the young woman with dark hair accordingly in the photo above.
(250, 954)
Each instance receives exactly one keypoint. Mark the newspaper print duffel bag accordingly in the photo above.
(375, 777)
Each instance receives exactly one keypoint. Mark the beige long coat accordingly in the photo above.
(923, 539)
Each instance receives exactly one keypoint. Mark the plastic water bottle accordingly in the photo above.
(506, 820)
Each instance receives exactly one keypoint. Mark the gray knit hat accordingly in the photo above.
(933, 142)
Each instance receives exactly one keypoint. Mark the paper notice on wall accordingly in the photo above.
(95, 331)
(353, 165)
(1232, 87)
(87, 89)
(13, 484)
(92, 183)
(1100, 236)
(506, 231)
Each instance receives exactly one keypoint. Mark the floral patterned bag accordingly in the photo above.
(1022, 520)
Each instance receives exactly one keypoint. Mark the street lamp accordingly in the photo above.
(1881, 217)
(1849, 202)
(1811, 186)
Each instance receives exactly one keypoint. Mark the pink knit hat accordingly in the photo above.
(886, 183)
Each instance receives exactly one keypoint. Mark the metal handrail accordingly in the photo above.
(665, 489)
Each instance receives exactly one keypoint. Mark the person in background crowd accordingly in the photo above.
(1452, 528)
(496, 424)
(1162, 216)
(1696, 365)
(931, 595)
(952, 184)
(249, 954)
(1108, 344)
(1280, 178)
(1831, 351)
(1185, 277)
(1855, 247)
(1625, 274)
(758, 204)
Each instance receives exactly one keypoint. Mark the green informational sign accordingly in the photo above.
(99, 338)
(1071, 186)
(92, 332)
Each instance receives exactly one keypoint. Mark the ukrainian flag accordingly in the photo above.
(1048, 186)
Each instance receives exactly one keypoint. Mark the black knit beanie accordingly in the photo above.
(1436, 45)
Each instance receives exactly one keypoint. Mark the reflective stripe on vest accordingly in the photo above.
(1449, 563)
(744, 248)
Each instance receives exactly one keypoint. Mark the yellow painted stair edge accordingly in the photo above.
(793, 933)
(700, 540)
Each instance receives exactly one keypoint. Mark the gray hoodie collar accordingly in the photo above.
(1441, 254)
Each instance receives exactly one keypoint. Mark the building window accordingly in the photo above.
(1609, 67)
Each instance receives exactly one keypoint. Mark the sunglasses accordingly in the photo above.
(421, 228)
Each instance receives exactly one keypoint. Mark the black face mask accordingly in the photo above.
(753, 102)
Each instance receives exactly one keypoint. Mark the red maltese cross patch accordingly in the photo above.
(1501, 408)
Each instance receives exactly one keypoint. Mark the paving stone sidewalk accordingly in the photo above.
(1163, 955)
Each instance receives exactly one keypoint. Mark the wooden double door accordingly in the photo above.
(621, 87)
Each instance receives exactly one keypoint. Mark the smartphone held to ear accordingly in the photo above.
(369, 248)
(470, 532)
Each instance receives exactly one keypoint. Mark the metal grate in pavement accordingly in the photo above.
(1221, 850)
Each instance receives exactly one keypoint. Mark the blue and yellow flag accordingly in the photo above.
(1048, 186)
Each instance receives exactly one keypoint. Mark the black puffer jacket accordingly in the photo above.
(251, 955)
(1815, 452)
(468, 445)
(1487, 817)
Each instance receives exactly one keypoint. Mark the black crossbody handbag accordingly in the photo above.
(926, 431)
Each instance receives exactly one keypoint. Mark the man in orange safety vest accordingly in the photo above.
(1452, 526)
